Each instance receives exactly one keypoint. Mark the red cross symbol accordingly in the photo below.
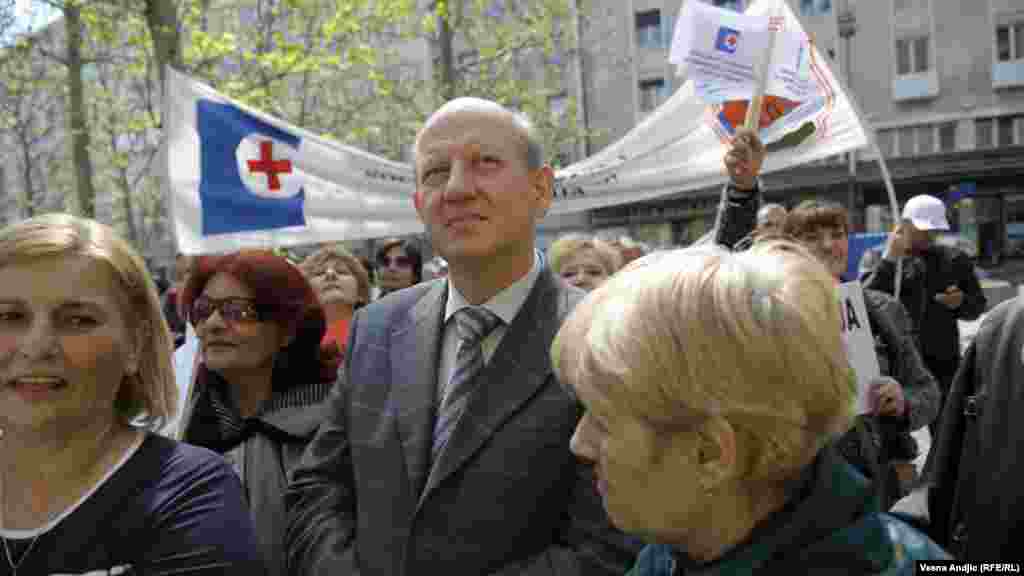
(269, 166)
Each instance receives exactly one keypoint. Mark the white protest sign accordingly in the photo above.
(860, 342)
(720, 50)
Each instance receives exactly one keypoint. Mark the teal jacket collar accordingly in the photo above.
(832, 525)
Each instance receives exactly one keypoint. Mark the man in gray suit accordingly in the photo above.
(445, 448)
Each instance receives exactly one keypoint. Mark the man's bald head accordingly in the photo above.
(771, 217)
(534, 148)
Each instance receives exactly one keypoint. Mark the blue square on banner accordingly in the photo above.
(728, 40)
(229, 204)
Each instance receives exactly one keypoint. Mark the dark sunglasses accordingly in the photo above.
(231, 310)
(397, 262)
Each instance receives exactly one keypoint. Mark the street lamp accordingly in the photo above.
(847, 22)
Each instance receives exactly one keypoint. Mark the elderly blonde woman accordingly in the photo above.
(86, 487)
(583, 261)
(713, 384)
(342, 284)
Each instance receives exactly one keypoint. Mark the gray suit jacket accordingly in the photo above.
(506, 496)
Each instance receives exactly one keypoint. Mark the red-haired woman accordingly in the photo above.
(263, 374)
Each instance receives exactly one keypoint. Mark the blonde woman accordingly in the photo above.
(714, 383)
(85, 379)
(583, 261)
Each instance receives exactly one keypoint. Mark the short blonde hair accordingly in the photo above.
(566, 246)
(752, 337)
(148, 398)
(316, 261)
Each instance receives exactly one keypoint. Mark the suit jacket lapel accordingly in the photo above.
(415, 348)
(518, 369)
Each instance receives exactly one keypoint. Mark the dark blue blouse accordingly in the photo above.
(172, 508)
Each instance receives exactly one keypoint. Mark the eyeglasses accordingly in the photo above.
(339, 270)
(231, 309)
(397, 262)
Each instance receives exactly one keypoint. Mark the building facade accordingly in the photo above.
(941, 82)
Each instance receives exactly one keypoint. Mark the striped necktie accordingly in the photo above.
(473, 325)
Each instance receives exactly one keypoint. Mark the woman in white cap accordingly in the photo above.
(939, 286)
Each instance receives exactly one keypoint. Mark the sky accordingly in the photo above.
(31, 14)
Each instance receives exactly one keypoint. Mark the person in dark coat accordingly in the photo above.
(938, 288)
(713, 383)
(262, 377)
(974, 470)
(444, 449)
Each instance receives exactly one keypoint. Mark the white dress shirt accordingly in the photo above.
(505, 305)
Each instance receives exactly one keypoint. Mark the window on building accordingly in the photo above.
(926, 139)
(902, 57)
(652, 94)
(1010, 41)
(947, 137)
(1003, 52)
(912, 55)
(907, 141)
(1018, 40)
(983, 136)
(1005, 131)
(815, 7)
(648, 29)
(920, 54)
(736, 5)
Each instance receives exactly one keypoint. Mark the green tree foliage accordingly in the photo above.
(514, 52)
(363, 72)
(30, 115)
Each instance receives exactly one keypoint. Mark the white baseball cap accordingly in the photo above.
(926, 213)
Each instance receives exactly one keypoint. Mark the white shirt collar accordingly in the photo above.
(504, 304)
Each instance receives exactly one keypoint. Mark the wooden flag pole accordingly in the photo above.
(753, 119)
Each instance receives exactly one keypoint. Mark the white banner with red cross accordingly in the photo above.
(239, 178)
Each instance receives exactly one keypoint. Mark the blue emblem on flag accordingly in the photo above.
(728, 40)
(247, 180)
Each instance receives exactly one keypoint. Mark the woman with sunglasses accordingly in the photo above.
(399, 265)
(262, 376)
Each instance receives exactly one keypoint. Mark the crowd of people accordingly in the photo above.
(595, 408)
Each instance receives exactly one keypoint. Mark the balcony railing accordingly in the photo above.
(1008, 74)
(916, 86)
